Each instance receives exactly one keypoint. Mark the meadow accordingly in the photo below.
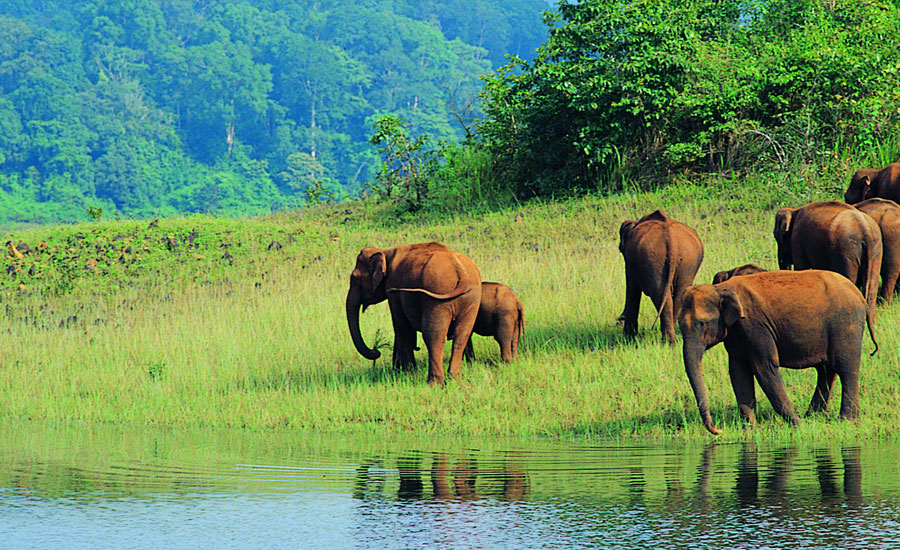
(239, 323)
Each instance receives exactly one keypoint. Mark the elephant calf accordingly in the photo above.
(502, 316)
(886, 214)
(746, 269)
(662, 257)
(790, 319)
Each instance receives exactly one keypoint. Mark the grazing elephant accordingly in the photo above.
(502, 316)
(869, 183)
(430, 289)
(831, 235)
(886, 214)
(790, 319)
(662, 257)
(746, 269)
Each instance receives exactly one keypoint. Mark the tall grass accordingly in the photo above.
(263, 343)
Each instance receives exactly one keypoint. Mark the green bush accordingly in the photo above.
(637, 91)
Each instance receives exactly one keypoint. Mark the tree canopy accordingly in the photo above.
(147, 107)
(639, 90)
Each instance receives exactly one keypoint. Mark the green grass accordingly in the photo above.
(183, 337)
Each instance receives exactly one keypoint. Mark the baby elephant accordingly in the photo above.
(789, 319)
(746, 269)
(502, 316)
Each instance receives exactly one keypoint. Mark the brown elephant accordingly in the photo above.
(430, 289)
(831, 235)
(886, 214)
(502, 316)
(790, 319)
(746, 269)
(869, 183)
(662, 257)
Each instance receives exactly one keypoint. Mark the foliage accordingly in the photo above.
(154, 107)
(640, 90)
(409, 163)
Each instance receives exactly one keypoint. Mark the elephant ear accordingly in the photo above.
(731, 307)
(624, 233)
(783, 219)
(867, 188)
(378, 267)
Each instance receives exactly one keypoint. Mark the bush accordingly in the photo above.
(636, 91)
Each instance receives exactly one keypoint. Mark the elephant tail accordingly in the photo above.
(521, 324)
(870, 322)
(458, 291)
(668, 277)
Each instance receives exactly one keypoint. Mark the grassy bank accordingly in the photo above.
(240, 323)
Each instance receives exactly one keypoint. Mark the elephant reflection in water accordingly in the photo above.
(775, 486)
(464, 473)
(777, 481)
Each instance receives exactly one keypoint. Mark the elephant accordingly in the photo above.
(746, 269)
(662, 257)
(831, 235)
(886, 214)
(430, 289)
(870, 183)
(790, 319)
(502, 316)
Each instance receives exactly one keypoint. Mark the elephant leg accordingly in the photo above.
(463, 328)
(404, 337)
(469, 353)
(765, 367)
(824, 382)
(890, 273)
(434, 332)
(667, 318)
(505, 336)
(632, 305)
(744, 388)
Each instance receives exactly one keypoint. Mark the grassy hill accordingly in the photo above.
(200, 321)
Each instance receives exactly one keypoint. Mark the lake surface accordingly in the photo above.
(99, 487)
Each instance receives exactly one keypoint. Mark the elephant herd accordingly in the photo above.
(814, 316)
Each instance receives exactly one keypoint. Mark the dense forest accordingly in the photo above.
(149, 107)
(154, 107)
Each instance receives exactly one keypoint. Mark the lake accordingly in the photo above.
(106, 487)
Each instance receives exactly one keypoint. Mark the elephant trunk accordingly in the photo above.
(354, 303)
(785, 255)
(693, 365)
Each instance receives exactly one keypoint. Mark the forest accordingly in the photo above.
(150, 108)
(145, 108)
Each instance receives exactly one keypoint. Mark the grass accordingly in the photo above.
(178, 333)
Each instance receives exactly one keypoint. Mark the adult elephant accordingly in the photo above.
(834, 236)
(790, 319)
(869, 183)
(430, 289)
(886, 214)
(662, 257)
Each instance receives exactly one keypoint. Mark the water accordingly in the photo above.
(76, 487)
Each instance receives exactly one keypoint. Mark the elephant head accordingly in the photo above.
(860, 186)
(782, 234)
(707, 312)
(367, 287)
(746, 269)
(624, 233)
